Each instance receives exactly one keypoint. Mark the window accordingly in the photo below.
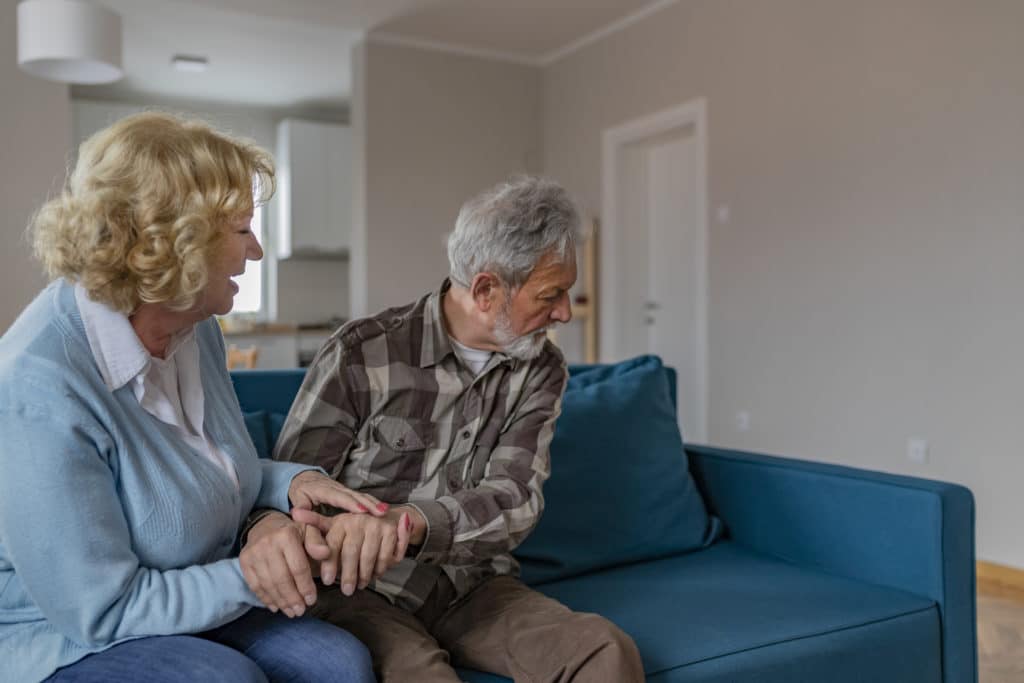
(249, 299)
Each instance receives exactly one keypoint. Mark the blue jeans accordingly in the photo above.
(255, 648)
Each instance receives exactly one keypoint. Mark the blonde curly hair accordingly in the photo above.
(141, 215)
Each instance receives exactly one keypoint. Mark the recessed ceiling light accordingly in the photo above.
(193, 63)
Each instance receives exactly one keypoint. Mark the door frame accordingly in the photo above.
(614, 141)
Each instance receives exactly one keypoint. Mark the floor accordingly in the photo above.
(1000, 635)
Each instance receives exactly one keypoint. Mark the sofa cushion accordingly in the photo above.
(275, 422)
(256, 424)
(619, 490)
(728, 614)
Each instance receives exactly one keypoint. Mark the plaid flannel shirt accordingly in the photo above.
(388, 408)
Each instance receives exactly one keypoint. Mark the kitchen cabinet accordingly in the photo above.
(315, 189)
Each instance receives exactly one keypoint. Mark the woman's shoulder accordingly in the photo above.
(41, 350)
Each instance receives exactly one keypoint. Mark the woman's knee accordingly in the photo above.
(335, 654)
(304, 649)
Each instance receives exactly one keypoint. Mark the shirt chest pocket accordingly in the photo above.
(402, 446)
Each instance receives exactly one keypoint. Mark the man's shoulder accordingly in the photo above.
(389, 322)
(548, 368)
(550, 357)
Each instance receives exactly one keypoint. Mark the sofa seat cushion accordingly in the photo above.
(728, 614)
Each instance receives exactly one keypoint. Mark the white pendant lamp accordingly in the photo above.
(71, 41)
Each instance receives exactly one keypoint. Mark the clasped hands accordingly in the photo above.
(282, 554)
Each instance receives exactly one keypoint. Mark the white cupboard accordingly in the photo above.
(315, 189)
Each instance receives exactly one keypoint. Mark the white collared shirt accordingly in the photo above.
(170, 389)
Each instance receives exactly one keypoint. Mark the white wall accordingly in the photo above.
(35, 136)
(436, 129)
(868, 286)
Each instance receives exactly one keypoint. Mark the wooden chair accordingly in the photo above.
(242, 358)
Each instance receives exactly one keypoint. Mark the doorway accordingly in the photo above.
(654, 255)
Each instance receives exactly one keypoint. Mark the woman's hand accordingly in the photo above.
(364, 546)
(275, 564)
(311, 488)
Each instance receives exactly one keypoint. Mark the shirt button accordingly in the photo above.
(400, 443)
(453, 483)
(466, 434)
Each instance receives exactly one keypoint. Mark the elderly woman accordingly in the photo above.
(126, 471)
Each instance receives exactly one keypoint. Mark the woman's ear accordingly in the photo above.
(486, 291)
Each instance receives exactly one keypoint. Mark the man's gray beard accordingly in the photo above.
(525, 347)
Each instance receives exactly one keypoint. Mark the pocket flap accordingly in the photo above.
(401, 434)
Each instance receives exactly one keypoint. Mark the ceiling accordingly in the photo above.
(296, 54)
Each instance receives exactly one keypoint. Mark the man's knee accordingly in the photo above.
(608, 644)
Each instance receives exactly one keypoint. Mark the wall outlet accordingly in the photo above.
(917, 450)
(723, 213)
(743, 421)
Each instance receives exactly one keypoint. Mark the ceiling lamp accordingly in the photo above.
(71, 41)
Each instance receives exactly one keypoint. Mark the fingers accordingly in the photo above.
(404, 533)
(321, 522)
(372, 543)
(333, 493)
(282, 587)
(350, 552)
(386, 553)
(301, 577)
(335, 539)
(310, 488)
(315, 544)
(278, 572)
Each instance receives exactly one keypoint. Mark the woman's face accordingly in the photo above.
(238, 246)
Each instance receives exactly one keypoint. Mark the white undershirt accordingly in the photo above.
(170, 389)
(474, 358)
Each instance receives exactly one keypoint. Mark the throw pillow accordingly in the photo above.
(256, 425)
(620, 490)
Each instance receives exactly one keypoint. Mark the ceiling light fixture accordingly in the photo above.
(193, 63)
(70, 41)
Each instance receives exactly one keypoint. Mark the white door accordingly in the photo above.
(659, 257)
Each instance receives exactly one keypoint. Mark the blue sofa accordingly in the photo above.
(800, 571)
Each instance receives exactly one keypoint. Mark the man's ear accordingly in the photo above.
(486, 291)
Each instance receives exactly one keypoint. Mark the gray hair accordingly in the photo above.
(509, 228)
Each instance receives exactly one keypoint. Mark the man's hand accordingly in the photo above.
(275, 564)
(311, 488)
(365, 547)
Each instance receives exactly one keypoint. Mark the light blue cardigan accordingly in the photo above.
(111, 528)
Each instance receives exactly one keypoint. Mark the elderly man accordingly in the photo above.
(444, 409)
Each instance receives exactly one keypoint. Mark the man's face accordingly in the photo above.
(522, 321)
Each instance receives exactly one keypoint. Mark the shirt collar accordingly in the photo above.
(436, 342)
(118, 351)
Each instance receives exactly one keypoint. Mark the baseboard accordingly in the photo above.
(994, 576)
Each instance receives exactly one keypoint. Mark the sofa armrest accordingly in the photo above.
(902, 532)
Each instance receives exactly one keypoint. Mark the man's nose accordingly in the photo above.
(562, 312)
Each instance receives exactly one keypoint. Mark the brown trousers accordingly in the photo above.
(501, 627)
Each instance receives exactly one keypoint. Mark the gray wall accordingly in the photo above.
(35, 137)
(436, 129)
(868, 285)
